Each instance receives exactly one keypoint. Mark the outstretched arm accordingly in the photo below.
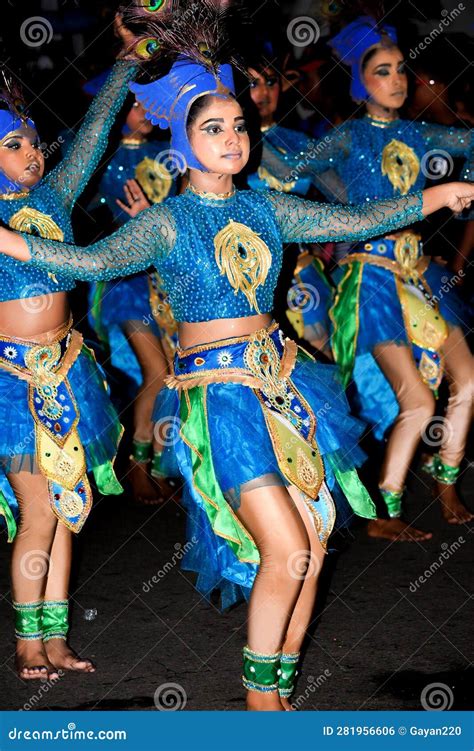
(76, 169)
(139, 244)
(306, 221)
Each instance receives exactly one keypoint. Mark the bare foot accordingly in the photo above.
(452, 509)
(32, 662)
(62, 656)
(396, 530)
(143, 488)
(264, 701)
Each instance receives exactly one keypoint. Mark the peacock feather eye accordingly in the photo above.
(153, 6)
(147, 47)
(205, 51)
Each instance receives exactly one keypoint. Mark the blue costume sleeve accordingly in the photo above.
(307, 221)
(73, 173)
(140, 243)
(457, 142)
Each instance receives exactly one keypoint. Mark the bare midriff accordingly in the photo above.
(193, 334)
(32, 316)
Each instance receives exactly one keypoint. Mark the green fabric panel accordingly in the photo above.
(106, 479)
(356, 493)
(345, 318)
(6, 512)
(195, 433)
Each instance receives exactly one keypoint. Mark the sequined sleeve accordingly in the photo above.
(307, 221)
(322, 160)
(140, 243)
(74, 172)
(454, 142)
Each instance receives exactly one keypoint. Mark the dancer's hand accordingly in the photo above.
(454, 196)
(137, 200)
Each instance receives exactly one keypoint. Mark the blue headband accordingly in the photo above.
(168, 100)
(351, 44)
(9, 123)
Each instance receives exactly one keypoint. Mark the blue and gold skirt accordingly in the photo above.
(56, 419)
(252, 411)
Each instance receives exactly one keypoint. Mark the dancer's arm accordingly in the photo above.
(306, 221)
(73, 173)
(140, 243)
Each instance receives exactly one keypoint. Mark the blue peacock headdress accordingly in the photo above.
(354, 41)
(193, 40)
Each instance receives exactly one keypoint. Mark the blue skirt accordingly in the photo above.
(99, 427)
(242, 451)
(122, 301)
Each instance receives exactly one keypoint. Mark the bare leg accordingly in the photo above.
(58, 650)
(275, 523)
(416, 407)
(460, 373)
(30, 563)
(154, 366)
(304, 607)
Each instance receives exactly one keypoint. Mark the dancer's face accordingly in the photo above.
(21, 159)
(385, 78)
(264, 91)
(219, 137)
(137, 122)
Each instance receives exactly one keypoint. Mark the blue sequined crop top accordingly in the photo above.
(46, 210)
(220, 258)
(282, 150)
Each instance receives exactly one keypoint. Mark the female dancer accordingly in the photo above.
(245, 399)
(55, 415)
(132, 316)
(391, 304)
(310, 296)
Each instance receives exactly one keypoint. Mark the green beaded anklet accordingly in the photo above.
(156, 471)
(141, 451)
(28, 617)
(444, 472)
(260, 672)
(288, 672)
(55, 619)
(393, 501)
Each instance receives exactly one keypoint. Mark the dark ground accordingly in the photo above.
(377, 644)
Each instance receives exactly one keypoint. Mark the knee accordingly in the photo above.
(462, 391)
(37, 519)
(421, 408)
(290, 559)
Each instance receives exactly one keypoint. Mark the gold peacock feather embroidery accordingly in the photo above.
(36, 223)
(244, 258)
(154, 178)
(401, 165)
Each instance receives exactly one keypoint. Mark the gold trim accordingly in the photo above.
(14, 196)
(213, 196)
(385, 263)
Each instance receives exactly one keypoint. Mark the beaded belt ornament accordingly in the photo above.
(263, 361)
(424, 324)
(59, 451)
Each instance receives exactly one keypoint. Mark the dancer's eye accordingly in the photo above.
(14, 145)
(241, 128)
(271, 82)
(213, 130)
